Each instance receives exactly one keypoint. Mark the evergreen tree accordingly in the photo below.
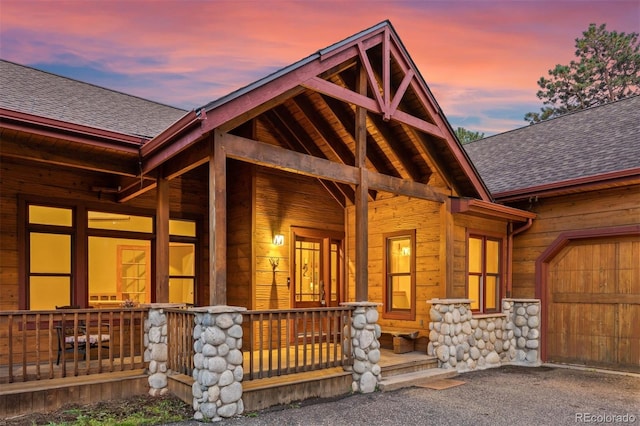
(607, 69)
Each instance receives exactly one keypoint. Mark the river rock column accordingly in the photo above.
(217, 373)
(525, 315)
(156, 346)
(365, 346)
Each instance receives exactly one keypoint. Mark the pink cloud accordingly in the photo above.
(467, 49)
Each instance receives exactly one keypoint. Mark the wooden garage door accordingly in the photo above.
(593, 291)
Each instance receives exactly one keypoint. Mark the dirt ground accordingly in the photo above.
(170, 407)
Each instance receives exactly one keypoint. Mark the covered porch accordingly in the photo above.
(277, 370)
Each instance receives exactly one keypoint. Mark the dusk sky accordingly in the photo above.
(481, 58)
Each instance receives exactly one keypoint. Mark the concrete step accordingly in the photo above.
(406, 380)
(410, 365)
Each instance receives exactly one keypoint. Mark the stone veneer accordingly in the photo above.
(218, 372)
(156, 349)
(365, 344)
(464, 341)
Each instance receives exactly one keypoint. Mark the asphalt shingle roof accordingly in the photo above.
(40, 93)
(587, 143)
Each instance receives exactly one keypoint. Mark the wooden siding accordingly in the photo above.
(426, 217)
(187, 196)
(586, 211)
(397, 214)
(283, 200)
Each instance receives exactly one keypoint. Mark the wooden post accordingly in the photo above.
(447, 250)
(362, 192)
(162, 240)
(217, 222)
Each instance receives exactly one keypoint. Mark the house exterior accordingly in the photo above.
(580, 174)
(345, 156)
(334, 180)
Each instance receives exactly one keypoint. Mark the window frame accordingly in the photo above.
(388, 312)
(501, 282)
(29, 228)
(80, 233)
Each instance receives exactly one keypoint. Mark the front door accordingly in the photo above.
(316, 279)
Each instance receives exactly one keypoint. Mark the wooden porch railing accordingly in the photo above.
(180, 324)
(36, 345)
(291, 341)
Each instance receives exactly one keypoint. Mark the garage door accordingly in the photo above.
(593, 291)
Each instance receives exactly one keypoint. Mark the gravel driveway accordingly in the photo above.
(508, 395)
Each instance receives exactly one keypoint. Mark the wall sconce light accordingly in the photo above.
(278, 240)
(406, 251)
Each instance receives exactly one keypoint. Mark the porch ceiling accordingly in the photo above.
(310, 108)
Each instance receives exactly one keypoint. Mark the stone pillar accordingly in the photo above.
(365, 346)
(450, 332)
(525, 315)
(156, 346)
(217, 373)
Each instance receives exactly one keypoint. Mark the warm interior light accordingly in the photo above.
(406, 251)
(278, 240)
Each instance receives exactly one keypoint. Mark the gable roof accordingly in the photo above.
(586, 146)
(310, 107)
(39, 93)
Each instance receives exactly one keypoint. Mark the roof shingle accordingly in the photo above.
(40, 93)
(587, 143)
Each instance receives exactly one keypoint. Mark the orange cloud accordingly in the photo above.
(477, 54)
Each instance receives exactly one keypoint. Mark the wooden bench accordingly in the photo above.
(401, 341)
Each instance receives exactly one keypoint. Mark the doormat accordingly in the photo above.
(440, 384)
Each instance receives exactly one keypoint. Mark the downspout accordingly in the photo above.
(510, 234)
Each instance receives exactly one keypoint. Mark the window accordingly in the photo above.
(182, 261)
(49, 263)
(79, 256)
(119, 260)
(484, 273)
(399, 275)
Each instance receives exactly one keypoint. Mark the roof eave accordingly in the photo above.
(489, 210)
(588, 183)
(44, 126)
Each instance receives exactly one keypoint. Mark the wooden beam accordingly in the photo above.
(342, 93)
(375, 156)
(188, 160)
(362, 202)
(326, 132)
(371, 79)
(162, 241)
(404, 187)
(23, 148)
(447, 249)
(295, 138)
(346, 95)
(217, 223)
(135, 189)
(275, 157)
(279, 158)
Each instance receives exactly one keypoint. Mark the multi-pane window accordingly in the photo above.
(484, 273)
(49, 264)
(182, 261)
(112, 264)
(399, 275)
